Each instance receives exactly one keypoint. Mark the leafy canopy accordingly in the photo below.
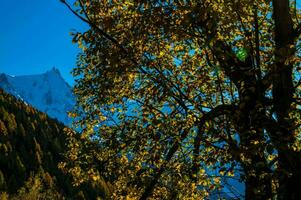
(177, 93)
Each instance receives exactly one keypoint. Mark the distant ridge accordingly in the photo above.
(48, 92)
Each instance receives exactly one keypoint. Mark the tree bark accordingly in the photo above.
(258, 179)
(283, 90)
(258, 184)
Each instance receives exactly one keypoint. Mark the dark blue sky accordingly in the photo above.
(34, 37)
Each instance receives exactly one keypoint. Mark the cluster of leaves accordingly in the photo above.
(31, 147)
(181, 95)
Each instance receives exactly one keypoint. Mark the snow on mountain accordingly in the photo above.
(48, 92)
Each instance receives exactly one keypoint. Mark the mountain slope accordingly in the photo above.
(48, 92)
(31, 147)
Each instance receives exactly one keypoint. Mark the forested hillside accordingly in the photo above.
(31, 147)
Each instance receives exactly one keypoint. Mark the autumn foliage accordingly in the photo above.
(183, 96)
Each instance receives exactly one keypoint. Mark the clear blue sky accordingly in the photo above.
(34, 37)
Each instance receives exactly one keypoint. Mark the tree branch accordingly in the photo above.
(125, 51)
(102, 32)
(151, 186)
(257, 43)
(282, 81)
(215, 112)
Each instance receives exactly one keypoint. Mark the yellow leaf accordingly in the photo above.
(95, 178)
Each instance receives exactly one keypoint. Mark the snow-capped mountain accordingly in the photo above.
(48, 92)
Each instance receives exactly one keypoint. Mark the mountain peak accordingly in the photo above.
(4, 83)
(55, 71)
(3, 78)
(48, 92)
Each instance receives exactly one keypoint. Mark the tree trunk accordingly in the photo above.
(258, 186)
(289, 174)
(258, 177)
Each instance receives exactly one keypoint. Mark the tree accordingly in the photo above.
(179, 94)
